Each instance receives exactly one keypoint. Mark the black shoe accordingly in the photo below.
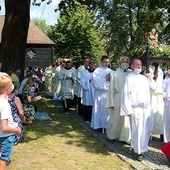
(127, 143)
(161, 137)
(140, 157)
(66, 110)
(99, 130)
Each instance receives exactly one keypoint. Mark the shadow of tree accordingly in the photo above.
(64, 126)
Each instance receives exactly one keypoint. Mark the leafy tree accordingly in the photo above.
(76, 35)
(126, 22)
(14, 35)
(79, 31)
(92, 5)
(42, 25)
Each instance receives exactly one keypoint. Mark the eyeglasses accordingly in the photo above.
(91, 62)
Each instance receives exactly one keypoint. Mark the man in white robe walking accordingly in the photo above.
(101, 81)
(135, 103)
(57, 87)
(166, 117)
(88, 91)
(118, 126)
(157, 102)
(66, 76)
(79, 89)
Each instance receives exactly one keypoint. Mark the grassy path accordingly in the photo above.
(62, 144)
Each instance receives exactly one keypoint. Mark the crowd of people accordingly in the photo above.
(126, 103)
(17, 108)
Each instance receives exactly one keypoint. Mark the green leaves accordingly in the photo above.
(117, 27)
(128, 20)
(42, 25)
(76, 35)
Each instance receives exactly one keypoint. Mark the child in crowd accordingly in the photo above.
(8, 128)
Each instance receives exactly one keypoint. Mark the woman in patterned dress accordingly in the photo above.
(29, 100)
(17, 114)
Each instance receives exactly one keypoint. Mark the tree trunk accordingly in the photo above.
(14, 35)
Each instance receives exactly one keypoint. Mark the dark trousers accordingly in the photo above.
(87, 113)
(69, 104)
(80, 106)
(75, 100)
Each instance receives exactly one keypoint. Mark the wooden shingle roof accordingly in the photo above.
(35, 35)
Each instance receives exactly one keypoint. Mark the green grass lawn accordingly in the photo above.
(62, 144)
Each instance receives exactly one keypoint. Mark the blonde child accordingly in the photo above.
(7, 126)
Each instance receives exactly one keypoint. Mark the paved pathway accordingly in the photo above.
(154, 159)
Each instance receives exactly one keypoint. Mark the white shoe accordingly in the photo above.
(59, 98)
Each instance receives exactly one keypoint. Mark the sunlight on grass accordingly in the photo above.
(62, 144)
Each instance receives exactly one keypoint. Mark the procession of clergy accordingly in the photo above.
(127, 105)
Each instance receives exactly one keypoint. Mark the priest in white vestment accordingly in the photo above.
(57, 87)
(157, 102)
(101, 81)
(66, 76)
(118, 126)
(49, 74)
(79, 89)
(53, 80)
(88, 91)
(135, 102)
(166, 118)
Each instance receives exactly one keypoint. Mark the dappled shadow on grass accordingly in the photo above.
(62, 126)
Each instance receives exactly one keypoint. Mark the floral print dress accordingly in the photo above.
(29, 108)
(17, 119)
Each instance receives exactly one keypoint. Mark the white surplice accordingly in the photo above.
(136, 101)
(48, 78)
(53, 81)
(166, 119)
(67, 85)
(75, 83)
(100, 115)
(118, 126)
(157, 104)
(58, 83)
(79, 90)
(88, 90)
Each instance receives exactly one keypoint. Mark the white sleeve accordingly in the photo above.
(126, 102)
(99, 82)
(84, 82)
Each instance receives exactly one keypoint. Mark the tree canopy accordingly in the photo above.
(42, 25)
(88, 28)
(76, 35)
(125, 22)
